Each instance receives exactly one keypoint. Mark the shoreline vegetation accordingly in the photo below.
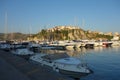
(75, 34)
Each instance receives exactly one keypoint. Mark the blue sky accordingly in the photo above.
(33, 15)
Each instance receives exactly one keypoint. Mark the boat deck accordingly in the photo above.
(16, 68)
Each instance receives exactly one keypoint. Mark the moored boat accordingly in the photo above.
(62, 63)
(22, 52)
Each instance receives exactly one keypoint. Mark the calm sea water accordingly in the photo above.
(105, 62)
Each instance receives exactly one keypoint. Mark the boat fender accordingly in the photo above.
(42, 62)
(55, 68)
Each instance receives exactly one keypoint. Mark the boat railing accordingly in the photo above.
(82, 65)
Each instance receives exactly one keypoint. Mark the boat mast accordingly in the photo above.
(11, 34)
(30, 30)
(5, 30)
(83, 23)
(75, 22)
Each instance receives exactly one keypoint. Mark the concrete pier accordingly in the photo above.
(16, 68)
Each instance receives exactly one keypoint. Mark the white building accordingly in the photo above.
(115, 38)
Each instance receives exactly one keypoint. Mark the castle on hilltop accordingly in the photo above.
(63, 28)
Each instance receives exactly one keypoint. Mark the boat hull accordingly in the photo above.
(72, 73)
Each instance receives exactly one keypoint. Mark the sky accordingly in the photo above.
(30, 16)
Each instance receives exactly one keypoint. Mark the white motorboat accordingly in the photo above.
(22, 51)
(62, 63)
(5, 46)
(47, 47)
(115, 43)
(69, 47)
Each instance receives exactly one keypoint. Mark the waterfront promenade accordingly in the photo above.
(16, 68)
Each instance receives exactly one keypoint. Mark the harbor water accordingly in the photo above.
(104, 61)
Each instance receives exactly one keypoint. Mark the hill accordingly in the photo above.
(69, 33)
(13, 36)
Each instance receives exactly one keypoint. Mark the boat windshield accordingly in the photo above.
(55, 56)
